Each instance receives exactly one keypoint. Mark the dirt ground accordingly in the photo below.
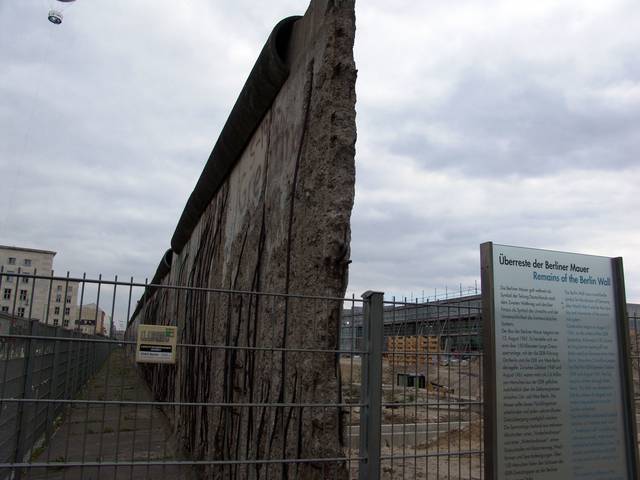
(450, 399)
(443, 459)
(452, 391)
(455, 456)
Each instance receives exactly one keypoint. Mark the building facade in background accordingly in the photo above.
(94, 320)
(54, 302)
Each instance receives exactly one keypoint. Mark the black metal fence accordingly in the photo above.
(41, 366)
(406, 401)
(425, 392)
(634, 327)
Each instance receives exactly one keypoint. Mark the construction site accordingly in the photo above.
(431, 387)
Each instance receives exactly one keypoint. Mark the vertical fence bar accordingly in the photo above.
(371, 386)
(628, 403)
(22, 445)
(53, 391)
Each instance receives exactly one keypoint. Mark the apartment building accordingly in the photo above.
(94, 320)
(54, 302)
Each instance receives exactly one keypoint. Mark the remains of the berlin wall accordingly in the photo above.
(270, 213)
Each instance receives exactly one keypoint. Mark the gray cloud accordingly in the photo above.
(509, 125)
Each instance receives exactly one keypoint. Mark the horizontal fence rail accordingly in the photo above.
(405, 400)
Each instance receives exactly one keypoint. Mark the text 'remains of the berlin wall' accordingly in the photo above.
(557, 372)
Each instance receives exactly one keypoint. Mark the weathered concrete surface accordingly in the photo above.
(279, 223)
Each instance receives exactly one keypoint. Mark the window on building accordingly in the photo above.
(21, 311)
(69, 289)
(27, 262)
(25, 279)
(67, 310)
(23, 295)
(55, 322)
(56, 310)
(9, 278)
(7, 294)
(59, 288)
(65, 323)
(68, 299)
(5, 309)
(58, 298)
(12, 260)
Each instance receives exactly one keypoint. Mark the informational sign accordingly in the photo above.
(558, 390)
(156, 344)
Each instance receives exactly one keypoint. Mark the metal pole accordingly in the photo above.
(25, 433)
(626, 367)
(371, 386)
(53, 390)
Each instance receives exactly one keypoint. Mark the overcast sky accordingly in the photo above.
(515, 122)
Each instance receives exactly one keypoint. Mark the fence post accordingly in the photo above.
(371, 386)
(52, 410)
(22, 420)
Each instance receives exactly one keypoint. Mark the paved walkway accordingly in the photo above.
(112, 433)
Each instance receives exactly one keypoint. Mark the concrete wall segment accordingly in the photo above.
(278, 222)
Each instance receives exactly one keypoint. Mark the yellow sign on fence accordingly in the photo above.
(156, 344)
